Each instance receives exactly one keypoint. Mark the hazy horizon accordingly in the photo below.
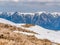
(29, 5)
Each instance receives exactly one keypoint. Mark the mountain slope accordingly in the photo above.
(6, 21)
(40, 33)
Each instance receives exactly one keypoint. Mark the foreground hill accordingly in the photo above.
(26, 34)
(12, 37)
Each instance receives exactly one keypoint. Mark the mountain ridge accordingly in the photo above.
(44, 19)
(31, 12)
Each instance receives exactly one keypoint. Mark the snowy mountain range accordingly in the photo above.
(44, 19)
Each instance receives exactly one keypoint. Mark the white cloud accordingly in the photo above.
(15, 0)
(32, 0)
(41, 0)
(3, 0)
(10, 0)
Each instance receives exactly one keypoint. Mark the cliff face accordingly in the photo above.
(9, 37)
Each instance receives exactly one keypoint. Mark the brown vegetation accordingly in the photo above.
(12, 28)
(28, 25)
(8, 37)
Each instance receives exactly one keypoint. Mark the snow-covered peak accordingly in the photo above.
(53, 13)
(33, 13)
(56, 13)
(10, 13)
(19, 13)
(41, 12)
(27, 13)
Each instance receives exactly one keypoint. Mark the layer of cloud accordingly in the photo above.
(30, 5)
(33, 0)
(41, 0)
(9, 0)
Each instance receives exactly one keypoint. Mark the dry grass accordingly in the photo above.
(28, 25)
(8, 37)
(14, 28)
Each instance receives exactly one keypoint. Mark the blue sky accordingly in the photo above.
(30, 5)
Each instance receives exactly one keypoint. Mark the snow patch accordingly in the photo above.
(6, 21)
(23, 32)
(51, 35)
